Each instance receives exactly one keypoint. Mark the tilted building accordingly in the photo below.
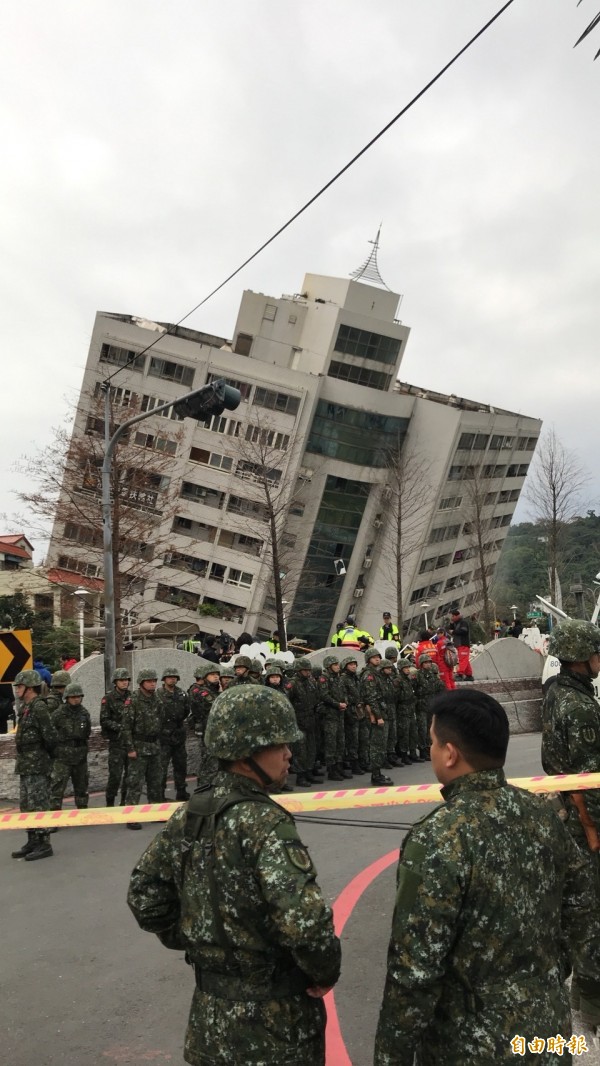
(318, 373)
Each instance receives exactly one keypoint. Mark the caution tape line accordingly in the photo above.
(332, 800)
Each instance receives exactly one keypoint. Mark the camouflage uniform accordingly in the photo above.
(73, 726)
(485, 885)
(373, 699)
(55, 697)
(176, 708)
(202, 695)
(304, 697)
(570, 745)
(356, 726)
(111, 724)
(331, 694)
(427, 685)
(387, 677)
(244, 904)
(142, 726)
(35, 741)
(406, 719)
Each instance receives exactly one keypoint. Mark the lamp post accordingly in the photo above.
(81, 594)
(211, 399)
(514, 610)
(425, 607)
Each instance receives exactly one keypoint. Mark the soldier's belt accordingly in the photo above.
(148, 739)
(231, 986)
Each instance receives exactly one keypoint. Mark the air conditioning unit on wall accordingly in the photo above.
(367, 563)
(358, 593)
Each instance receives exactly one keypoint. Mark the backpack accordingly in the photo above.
(450, 655)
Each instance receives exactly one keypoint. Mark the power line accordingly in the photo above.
(324, 188)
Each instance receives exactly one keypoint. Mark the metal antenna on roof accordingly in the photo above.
(369, 271)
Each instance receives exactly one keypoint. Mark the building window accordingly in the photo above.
(418, 594)
(354, 436)
(164, 368)
(494, 471)
(508, 496)
(268, 438)
(157, 444)
(220, 462)
(118, 397)
(517, 470)
(358, 375)
(83, 534)
(276, 401)
(526, 444)
(181, 561)
(238, 505)
(499, 442)
(217, 572)
(243, 343)
(366, 345)
(78, 566)
(94, 426)
(240, 577)
(179, 597)
(461, 473)
(468, 441)
(297, 509)
(257, 472)
(227, 426)
(111, 353)
(270, 312)
(443, 533)
(450, 503)
(201, 494)
(150, 402)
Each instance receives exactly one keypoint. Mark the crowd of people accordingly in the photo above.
(497, 899)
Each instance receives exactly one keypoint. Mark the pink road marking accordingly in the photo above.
(337, 1055)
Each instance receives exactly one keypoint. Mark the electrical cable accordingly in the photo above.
(353, 822)
(322, 190)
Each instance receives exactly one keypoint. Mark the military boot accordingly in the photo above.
(182, 794)
(344, 770)
(416, 757)
(110, 801)
(29, 845)
(380, 779)
(333, 774)
(357, 768)
(405, 758)
(42, 849)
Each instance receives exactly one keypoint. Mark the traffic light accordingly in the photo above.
(211, 399)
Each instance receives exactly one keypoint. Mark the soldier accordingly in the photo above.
(55, 698)
(229, 882)
(304, 697)
(390, 657)
(273, 678)
(142, 727)
(202, 694)
(73, 725)
(256, 671)
(374, 703)
(485, 887)
(356, 727)
(571, 745)
(176, 708)
(332, 699)
(406, 718)
(111, 724)
(227, 677)
(388, 696)
(241, 667)
(428, 684)
(35, 741)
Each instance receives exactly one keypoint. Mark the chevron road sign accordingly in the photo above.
(15, 653)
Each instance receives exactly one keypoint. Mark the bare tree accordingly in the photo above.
(65, 491)
(408, 496)
(595, 22)
(554, 490)
(264, 453)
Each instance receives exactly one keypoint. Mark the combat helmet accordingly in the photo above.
(348, 659)
(146, 675)
(425, 657)
(274, 671)
(74, 689)
(120, 674)
(170, 671)
(370, 653)
(205, 669)
(239, 725)
(574, 641)
(329, 660)
(29, 678)
(391, 653)
(243, 660)
(257, 666)
(60, 679)
(226, 670)
(302, 664)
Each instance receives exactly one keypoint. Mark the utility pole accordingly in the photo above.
(200, 404)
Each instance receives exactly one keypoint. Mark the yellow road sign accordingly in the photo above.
(15, 653)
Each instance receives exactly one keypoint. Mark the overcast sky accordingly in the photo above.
(149, 147)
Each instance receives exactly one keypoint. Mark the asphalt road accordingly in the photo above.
(82, 986)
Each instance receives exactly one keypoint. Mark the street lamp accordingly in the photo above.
(514, 610)
(81, 594)
(211, 399)
(425, 607)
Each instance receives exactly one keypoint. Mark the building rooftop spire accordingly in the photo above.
(369, 271)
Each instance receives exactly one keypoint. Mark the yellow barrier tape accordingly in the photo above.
(325, 800)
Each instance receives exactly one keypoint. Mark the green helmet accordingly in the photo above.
(207, 668)
(302, 664)
(121, 674)
(60, 679)
(257, 666)
(146, 675)
(226, 670)
(391, 653)
(574, 641)
(273, 671)
(243, 660)
(329, 660)
(247, 718)
(370, 653)
(348, 659)
(425, 657)
(73, 690)
(29, 678)
(385, 664)
(170, 671)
